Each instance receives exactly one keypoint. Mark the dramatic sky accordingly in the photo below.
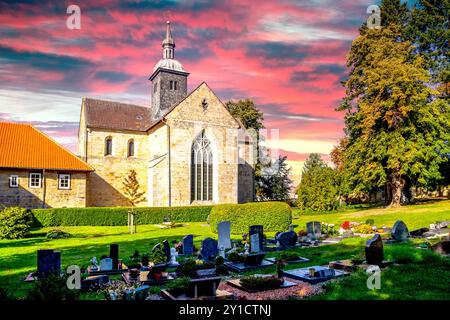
(288, 56)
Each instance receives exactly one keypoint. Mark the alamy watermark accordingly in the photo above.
(74, 20)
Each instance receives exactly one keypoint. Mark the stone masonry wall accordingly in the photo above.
(27, 197)
(105, 185)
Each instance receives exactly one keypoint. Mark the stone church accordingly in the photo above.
(186, 149)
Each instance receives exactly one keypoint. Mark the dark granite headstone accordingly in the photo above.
(114, 255)
(419, 232)
(287, 239)
(209, 249)
(260, 231)
(313, 229)
(400, 231)
(48, 261)
(203, 287)
(325, 273)
(188, 245)
(374, 250)
(166, 248)
(254, 259)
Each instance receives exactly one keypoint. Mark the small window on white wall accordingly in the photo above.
(13, 181)
(64, 181)
(35, 180)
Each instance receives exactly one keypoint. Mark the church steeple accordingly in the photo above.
(168, 44)
(169, 79)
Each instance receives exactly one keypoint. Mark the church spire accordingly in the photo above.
(168, 44)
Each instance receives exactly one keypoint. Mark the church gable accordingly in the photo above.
(202, 105)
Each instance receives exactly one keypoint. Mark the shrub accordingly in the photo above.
(157, 256)
(5, 294)
(363, 228)
(289, 256)
(178, 286)
(107, 216)
(260, 282)
(57, 234)
(188, 268)
(273, 216)
(52, 288)
(15, 223)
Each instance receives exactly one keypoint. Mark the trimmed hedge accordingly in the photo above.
(273, 216)
(107, 216)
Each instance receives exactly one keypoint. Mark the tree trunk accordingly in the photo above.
(396, 185)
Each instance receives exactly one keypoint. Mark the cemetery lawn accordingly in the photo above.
(420, 274)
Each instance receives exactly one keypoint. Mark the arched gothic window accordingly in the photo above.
(108, 146)
(201, 169)
(131, 148)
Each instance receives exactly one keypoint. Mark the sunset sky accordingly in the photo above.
(288, 56)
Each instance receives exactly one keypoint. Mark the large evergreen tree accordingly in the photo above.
(396, 131)
(317, 189)
(274, 182)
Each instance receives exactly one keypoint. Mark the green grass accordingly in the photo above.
(415, 216)
(424, 277)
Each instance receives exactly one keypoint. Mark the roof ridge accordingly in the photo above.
(112, 101)
(61, 146)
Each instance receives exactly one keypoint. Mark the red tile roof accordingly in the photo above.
(23, 146)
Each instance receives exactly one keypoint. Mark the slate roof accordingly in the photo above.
(116, 116)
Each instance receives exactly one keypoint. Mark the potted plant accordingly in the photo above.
(134, 269)
(157, 259)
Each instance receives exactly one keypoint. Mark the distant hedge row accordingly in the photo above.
(107, 216)
(273, 216)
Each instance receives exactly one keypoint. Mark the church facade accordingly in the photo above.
(186, 149)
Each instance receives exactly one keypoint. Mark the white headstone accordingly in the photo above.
(224, 230)
(106, 264)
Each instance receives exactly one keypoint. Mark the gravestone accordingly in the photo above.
(400, 231)
(156, 247)
(287, 239)
(114, 255)
(188, 245)
(442, 247)
(254, 243)
(257, 229)
(209, 249)
(203, 287)
(106, 264)
(92, 282)
(374, 250)
(313, 229)
(166, 248)
(141, 293)
(419, 232)
(224, 231)
(254, 259)
(442, 225)
(48, 261)
(320, 274)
